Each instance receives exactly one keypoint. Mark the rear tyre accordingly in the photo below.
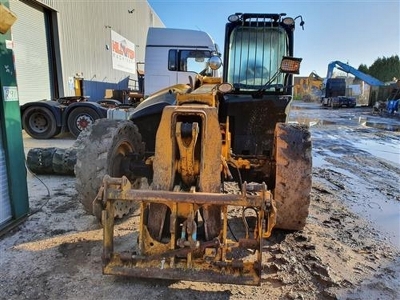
(40, 123)
(80, 119)
(100, 151)
(292, 151)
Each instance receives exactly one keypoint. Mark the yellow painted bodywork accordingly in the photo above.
(192, 151)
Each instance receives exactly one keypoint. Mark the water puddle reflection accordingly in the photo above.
(389, 124)
(382, 149)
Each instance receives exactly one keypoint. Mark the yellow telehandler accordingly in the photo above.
(194, 158)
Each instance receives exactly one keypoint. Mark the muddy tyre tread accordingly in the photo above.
(64, 161)
(94, 148)
(39, 160)
(293, 175)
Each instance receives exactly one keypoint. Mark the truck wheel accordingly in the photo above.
(40, 123)
(293, 175)
(80, 118)
(100, 151)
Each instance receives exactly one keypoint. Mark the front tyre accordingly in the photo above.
(101, 150)
(293, 175)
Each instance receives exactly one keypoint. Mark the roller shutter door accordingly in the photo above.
(5, 204)
(31, 52)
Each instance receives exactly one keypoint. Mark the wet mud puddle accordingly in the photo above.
(362, 153)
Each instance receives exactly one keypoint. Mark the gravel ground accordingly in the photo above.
(349, 248)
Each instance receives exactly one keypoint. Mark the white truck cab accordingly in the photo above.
(174, 55)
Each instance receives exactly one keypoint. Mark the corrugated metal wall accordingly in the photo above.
(83, 31)
(31, 52)
(49, 3)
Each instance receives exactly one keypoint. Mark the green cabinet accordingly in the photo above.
(13, 180)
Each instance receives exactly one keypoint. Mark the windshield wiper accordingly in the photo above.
(268, 84)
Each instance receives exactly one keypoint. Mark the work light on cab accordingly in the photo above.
(290, 65)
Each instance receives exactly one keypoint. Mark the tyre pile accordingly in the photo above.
(52, 160)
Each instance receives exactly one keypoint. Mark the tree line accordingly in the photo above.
(385, 69)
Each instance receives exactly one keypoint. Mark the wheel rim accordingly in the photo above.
(117, 170)
(83, 121)
(117, 158)
(38, 122)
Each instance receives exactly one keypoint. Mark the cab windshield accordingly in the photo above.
(255, 55)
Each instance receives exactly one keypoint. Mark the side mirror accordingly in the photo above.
(215, 62)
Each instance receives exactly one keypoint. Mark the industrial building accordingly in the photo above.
(61, 48)
(65, 48)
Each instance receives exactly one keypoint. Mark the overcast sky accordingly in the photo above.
(354, 32)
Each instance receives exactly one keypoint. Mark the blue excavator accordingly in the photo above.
(357, 73)
(335, 88)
